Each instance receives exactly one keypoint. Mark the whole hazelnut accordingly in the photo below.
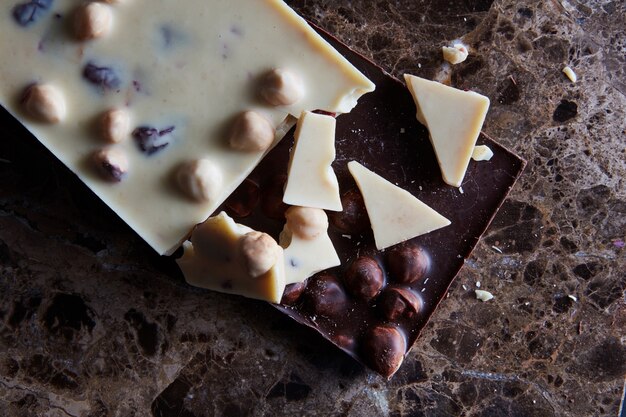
(92, 20)
(398, 302)
(325, 296)
(353, 218)
(384, 348)
(115, 125)
(44, 103)
(243, 200)
(281, 87)
(200, 180)
(305, 222)
(364, 278)
(112, 164)
(292, 293)
(272, 198)
(408, 263)
(260, 252)
(252, 132)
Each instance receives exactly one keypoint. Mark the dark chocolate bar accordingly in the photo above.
(376, 303)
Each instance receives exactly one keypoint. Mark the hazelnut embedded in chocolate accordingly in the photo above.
(384, 348)
(201, 180)
(252, 132)
(44, 103)
(281, 87)
(115, 125)
(305, 222)
(272, 198)
(260, 252)
(408, 263)
(92, 20)
(397, 302)
(292, 293)
(243, 200)
(353, 218)
(325, 296)
(364, 278)
(112, 164)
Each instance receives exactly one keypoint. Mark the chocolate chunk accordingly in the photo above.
(353, 218)
(396, 303)
(407, 263)
(30, 12)
(325, 296)
(364, 278)
(244, 200)
(151, 140)
(292, 293)
(384, 348)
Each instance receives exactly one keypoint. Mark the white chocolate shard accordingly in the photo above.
(307, 246)
(483, 296)
(395, 214)
(569, 73)
(192, 67)
(228, 257)
(455, 54)
(482, 153)
(454, 119)
(311, 181)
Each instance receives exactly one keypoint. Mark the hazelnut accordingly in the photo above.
(92, 20)
(115, 125)
(353, 218)
(112, 164)
(281, 87)
(252, 132)
(260, 252)
(364, 278)
(325, 296)
(306, 223)
(384, 348)
(201, 180)
(45, 103)
(272, 198)
(455, 54)
(292, 293)
(408, 263)
(397, 302)
(243, 200)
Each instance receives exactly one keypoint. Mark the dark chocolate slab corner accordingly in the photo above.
(345, 304)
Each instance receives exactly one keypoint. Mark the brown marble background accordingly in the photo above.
(92, 324)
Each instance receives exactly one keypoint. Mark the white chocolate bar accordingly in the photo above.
(181, 71)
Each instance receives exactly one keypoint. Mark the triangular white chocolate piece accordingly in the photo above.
(454, 118)
(395, 214)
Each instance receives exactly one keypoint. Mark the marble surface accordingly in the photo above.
(92, 323)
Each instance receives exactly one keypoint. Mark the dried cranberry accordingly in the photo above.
(103, 77)
(151, 140)
(30, 12)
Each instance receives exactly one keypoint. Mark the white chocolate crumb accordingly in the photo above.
(455, 54)
(573, 297)
(45, 103)
(569, 72)
(477, 284)
(482, 153)
(92, 20)
(483, 296)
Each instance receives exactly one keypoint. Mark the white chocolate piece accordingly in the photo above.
(281, 87)
(194, 67)
(308, 250)
(92, 20)
(311, 181)
(201, 180)
(454, 119)
(569, 72)
(111, 163)
(228, 257)
(483, 296)
(455, 54)
(252, 132)
(395, 214)
(115, 125)
(482, 153)
(45, 103)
